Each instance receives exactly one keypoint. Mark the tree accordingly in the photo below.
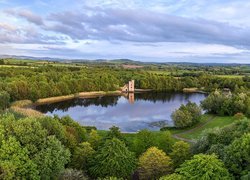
(203, 167)
(47, 152)
(72, 174)
(2, 62)
(182, 118)
(30, 134)
(195, 110)
(113, 159)
(4, 100)
(80, 131)
(143, 140)
(54, 127)
(214, 102)
(180, 153)
(94, 138)
(237, 155)
(52, 159)
(187, 115)
(173, 176)
(81, 156)
(153, 164)
(15, 162)
(164, 141)
(110, 178)
(239, 116)
(114, 132)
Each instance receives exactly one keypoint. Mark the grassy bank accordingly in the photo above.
(216, 121)
(77, 95)
(24, 107)
(208, 121)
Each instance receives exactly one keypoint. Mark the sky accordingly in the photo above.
(199, 31)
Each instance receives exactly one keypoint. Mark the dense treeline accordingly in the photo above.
(223, 103)
(59, 148)
(47, 81)
(231, 144)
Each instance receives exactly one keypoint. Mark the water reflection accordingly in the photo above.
(131, 112)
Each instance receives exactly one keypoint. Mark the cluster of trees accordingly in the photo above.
(222, 103)
(231, 144)
(187, 115)
(47, 81)
(53, 147)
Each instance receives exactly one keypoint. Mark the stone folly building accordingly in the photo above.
(129, 90)
(130, 87)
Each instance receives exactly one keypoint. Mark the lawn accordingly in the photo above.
(217, 121)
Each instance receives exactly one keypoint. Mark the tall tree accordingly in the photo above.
(113, 159)
(15, 162)
(180, 153)
(203, 167)
(153, 164)
(143, 140)
(81, 156)
(237, 156)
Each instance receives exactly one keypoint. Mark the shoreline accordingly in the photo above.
(91, 94)
(194, 90)
(26, 107)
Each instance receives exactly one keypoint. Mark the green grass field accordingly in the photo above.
(215, 122)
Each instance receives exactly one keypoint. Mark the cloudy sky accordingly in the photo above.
(146, 30)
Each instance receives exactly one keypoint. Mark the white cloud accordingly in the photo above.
(146, 30)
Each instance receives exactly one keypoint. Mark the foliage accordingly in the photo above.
(113, 159)
(227, 104)
(143, 140)
(49, 81)
(180, 153)
(187, 115)
(94, 139)
(173, 176)
(72, 174)
(110, 178)
(52, 159)
(203, 167)
(153, 164)
(81, 156)
(164, 141)
(221, 137)
(237, 155)
(56, 128)
(41, 155)
(73, 128)
(239, 116)
(15, 162)
(114, 132)
(4, 100)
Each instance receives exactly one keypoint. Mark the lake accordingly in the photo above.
(131, 113)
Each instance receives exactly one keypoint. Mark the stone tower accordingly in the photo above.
(131, 86)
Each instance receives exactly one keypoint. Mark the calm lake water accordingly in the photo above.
(131, 113)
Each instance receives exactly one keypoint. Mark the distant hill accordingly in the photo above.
(117, 61)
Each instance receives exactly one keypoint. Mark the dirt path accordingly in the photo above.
(178, 135)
